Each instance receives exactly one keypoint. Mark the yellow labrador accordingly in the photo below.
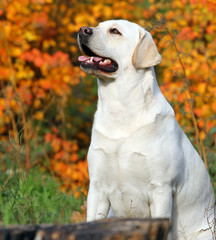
(141, 164)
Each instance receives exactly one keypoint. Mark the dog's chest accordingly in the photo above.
(123, 172)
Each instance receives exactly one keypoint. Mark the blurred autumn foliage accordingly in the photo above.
(47, 103)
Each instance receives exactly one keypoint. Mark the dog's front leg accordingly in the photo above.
(161, 201)
(97, 203)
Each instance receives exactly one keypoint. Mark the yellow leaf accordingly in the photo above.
(39, 115)
(71, 27)
(13, 104)
(201, 87)
(107, 11)
(202, 135)
(7, 119)
(49, 43)
(15, 51)
(66, 78)
(30, 36)
(65, 21)
(37, 103)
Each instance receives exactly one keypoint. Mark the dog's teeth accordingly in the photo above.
(105, 62)
(91, 59)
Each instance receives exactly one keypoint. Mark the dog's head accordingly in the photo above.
(114, 46)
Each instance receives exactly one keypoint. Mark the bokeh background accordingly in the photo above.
(47, 103)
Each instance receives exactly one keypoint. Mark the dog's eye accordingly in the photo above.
(115, 31)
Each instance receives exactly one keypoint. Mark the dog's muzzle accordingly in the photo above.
(92, 60)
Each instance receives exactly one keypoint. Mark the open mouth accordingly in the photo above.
(95, 62)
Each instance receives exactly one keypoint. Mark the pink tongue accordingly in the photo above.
(84, 58)
(97, 59)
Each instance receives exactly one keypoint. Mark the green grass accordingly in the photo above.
(34, 198)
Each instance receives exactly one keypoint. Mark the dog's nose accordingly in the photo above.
(86, 31)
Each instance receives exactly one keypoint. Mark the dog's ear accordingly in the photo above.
(146, 53)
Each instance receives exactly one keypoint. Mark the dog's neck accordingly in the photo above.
(133, 99)
(133, 91)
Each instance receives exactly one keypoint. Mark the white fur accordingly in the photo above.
(141, 164)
